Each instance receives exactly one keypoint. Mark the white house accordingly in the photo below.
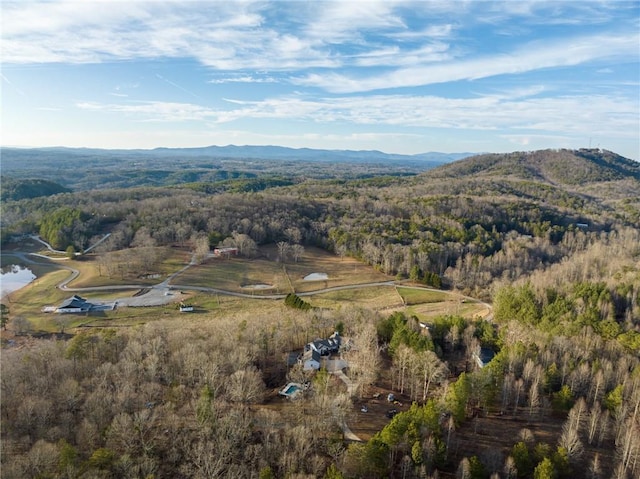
(311, 360)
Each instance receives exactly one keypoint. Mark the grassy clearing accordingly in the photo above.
(92, 274)
(235, 274)
(377, 298)
(340, 272)
(28, 302)
(239, 274)
(450, 306)
(419, 296)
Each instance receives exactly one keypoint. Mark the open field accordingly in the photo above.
(264, 275)
(237, 275)
(91, 273)
(377, 298)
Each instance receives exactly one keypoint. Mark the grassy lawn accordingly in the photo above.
(340, 272)
(29, 301)
(450, 306)
(91, 273)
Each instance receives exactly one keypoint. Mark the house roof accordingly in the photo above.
(74, 301)
(331, 344)
(311, 354)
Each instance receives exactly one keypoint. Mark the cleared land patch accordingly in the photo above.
(236, 273)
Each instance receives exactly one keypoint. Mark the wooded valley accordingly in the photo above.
(550, 238)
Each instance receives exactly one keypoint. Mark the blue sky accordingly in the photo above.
(400, 77)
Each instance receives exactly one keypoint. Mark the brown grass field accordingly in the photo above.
(241, 275)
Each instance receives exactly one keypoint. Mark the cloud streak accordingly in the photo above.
(518, 111)
(535, 56)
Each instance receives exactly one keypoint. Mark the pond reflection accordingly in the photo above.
(14, 277)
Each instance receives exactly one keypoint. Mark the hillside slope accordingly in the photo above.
(18, 189)
(594, 182)
(561, 167)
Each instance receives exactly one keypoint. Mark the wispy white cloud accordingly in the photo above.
(335, 22)
(242, 79)
(257, 35)
(223, 35)
(534, 56)
(396, 57)
(516, 111)
(154, 111)
(401, 66)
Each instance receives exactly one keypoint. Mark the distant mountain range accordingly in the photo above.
(261, 152)
(309, 154)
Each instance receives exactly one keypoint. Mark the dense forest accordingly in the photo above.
(551, 238)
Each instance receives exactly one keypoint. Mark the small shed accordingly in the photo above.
(186, 308)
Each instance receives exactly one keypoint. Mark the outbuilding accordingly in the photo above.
(74, 304)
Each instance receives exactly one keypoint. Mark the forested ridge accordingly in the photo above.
(551, 238)
(13, 189)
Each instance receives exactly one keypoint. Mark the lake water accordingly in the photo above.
(14, 277)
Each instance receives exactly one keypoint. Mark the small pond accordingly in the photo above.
(316, 277)
(257, 286)
(13, 277)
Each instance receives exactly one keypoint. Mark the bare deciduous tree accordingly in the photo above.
(432, 369)
(283, 251)
(297, 250)
(200, 247)
(246, 386)
(570, 441)
(364, 357)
